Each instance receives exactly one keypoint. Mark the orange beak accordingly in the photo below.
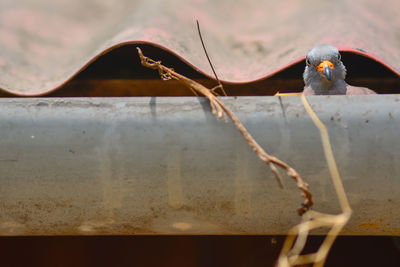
(326, 67)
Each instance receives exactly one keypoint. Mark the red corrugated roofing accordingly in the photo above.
(44, 43)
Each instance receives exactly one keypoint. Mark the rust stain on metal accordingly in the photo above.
(370, 225)
(45, 43)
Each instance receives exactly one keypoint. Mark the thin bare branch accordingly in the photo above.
(209, 61)
(219, 109)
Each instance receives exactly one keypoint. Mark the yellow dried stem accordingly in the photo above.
(291, 254)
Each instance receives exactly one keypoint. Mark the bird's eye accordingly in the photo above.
(339, 57)
(308, 62)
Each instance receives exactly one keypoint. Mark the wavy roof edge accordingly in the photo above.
(46, 43)
(44, 91)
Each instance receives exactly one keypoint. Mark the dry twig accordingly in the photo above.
(297, 237)
(209, 61)
(219, 109)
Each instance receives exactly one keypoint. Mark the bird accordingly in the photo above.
(325, 73)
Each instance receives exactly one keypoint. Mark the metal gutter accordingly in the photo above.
(77, 166)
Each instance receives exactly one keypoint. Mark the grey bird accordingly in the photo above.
(325, 73)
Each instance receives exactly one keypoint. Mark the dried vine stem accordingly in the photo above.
(219, 109)
(297, 236)
(209, 61)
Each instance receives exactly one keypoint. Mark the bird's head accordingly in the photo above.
(323, 66)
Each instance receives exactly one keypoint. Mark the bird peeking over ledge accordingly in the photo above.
(325, 73)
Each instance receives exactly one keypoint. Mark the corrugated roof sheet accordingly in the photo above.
(45, 43)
